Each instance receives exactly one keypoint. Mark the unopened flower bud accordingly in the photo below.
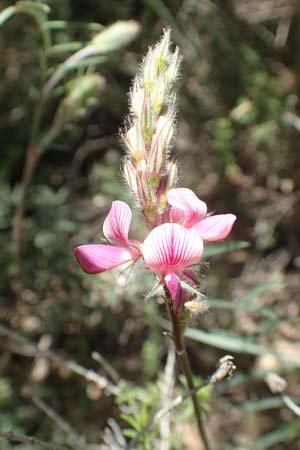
(130, 175)
(162, 50)
(115, 36)
(82, 94)
(173, 69)
(156, 156)
(135, 142)
(149, 73)
(159, 94)
(146, 118)
(275, 383)
(136, 99)
(225, 369)
(145, 194)
(172, 175)
(165, 129)
(143, 188)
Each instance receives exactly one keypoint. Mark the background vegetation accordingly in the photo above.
(238, 147)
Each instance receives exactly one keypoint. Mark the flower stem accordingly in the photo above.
(178, 339)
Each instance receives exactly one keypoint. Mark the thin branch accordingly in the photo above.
(111, 372)
(22, 439)
(60, 422)
(278, 385)
(31, 350)
(291, 405)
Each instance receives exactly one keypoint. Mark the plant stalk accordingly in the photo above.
(178, 339)
(33, 155)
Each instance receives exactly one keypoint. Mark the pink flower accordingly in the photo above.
(188, 210)
(169, 250)
(96, 258)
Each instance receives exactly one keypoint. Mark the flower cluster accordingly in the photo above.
(169, 249)
(177, 219)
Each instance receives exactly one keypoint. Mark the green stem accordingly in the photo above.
(33, 152)
(178, 339)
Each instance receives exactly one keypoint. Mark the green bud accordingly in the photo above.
(82, 94)
(115, 36)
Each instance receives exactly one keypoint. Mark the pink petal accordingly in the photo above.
(97, 258)
(171, 248)
(174, 287)
(191, 276)
(117, 223)
(186, 206)
(214, 228)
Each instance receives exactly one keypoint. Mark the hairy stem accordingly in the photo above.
(186, 368)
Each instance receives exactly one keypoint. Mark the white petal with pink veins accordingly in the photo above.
(171, 248)
(185, 203)
(117, 223)
(97, 258)
(215, 228)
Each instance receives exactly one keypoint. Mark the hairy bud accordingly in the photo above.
(225, 369)
(196, 307)
(275, 383)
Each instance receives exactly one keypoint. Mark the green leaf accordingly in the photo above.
(62, 25)
(38, 10)
(224, 247)
(6, 14)
(58, 49)
(85, 63)
(283, 434)
(226, 341)
(216, 303)
(131, 420)
(273, 402)
(129, 433)
(115, 36)
(257, 290)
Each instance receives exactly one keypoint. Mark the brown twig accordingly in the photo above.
(110, 371)
(23, 439)
(74, 437)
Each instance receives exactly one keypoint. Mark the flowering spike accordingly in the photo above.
(151, 130)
